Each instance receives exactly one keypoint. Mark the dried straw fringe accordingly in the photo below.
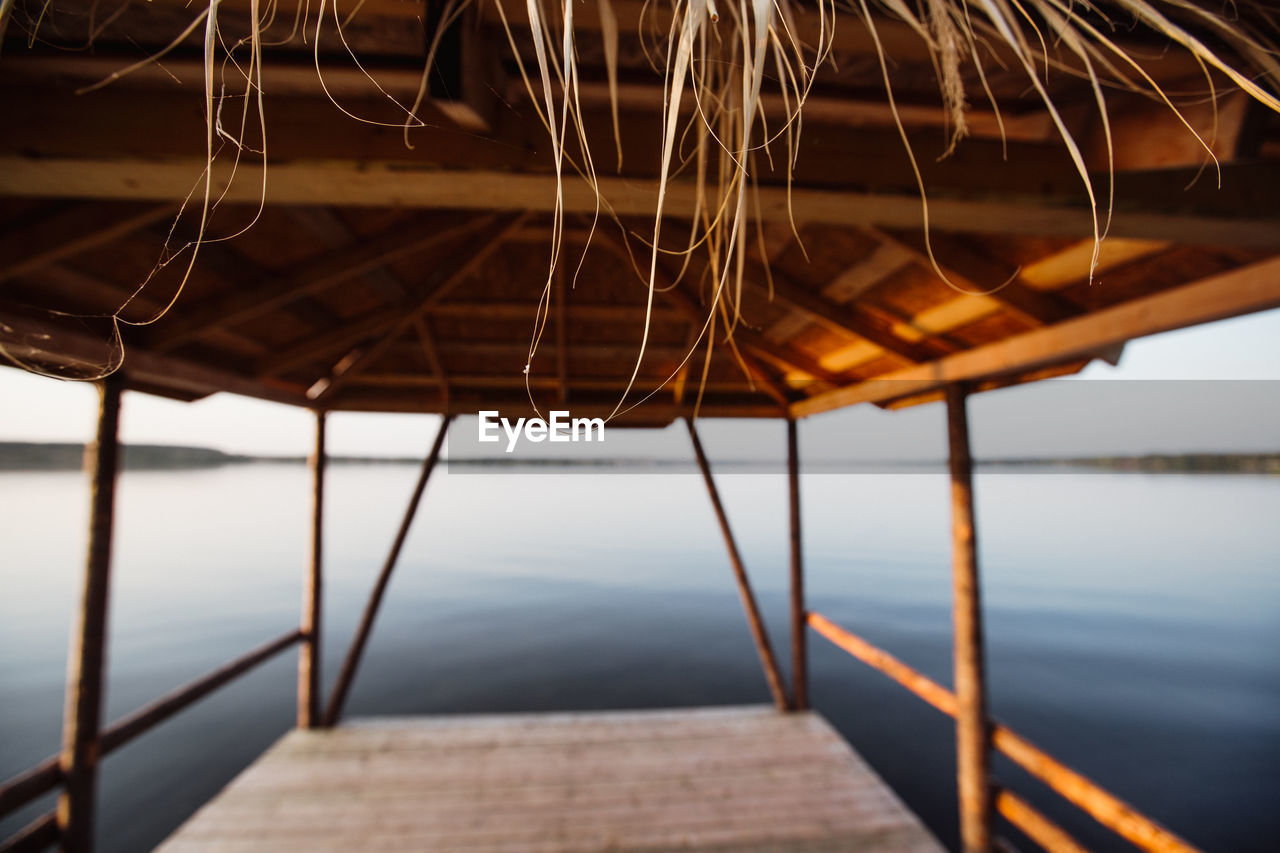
(720, 57)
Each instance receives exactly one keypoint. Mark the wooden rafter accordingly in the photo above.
(325, 224)
(31, 336)
(400, 320)
(70, 230)
(333, 268)
(674, 294)
(977, 273)
(843, 319)
(1240, 291)
(427, 340)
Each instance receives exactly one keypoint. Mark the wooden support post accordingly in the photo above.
(312, 593)
(758, 632)
(799, 637)
(86, 661)
(972, 733)
(333, 712)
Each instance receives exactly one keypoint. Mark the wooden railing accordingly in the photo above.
(85, 742)
(48, 775)
(1101, 805)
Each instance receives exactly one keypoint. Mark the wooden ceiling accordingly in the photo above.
(382, 277)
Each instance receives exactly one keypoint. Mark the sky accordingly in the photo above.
(1201, 413)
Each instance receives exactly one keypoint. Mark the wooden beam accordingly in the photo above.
(1051, 837)
(856, 279)
(87, 656)
(973, 740)
(41, 833)
(799, 637)
(843, 319)
(1241, 291)
(819, 109)
(775, 352)
(400, 320)
(338, 699)
(309, 669)
(1146, 134)
(314, 348)
(971, 270)
(333, 268)
(675, 295)
(32, 336)
(422, 327)
(1069, 265)
(525, 310)
(71, 230)
(1102, 806)
(756, 622)
(280, 76)
(847, 30)
(325, 224)
(148, 716)
(1149, 207)
(462, 401)
(515, 381)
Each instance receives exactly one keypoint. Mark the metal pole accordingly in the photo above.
(312, 593)
(86, 661)
(758, 632)
(973, 739)
(339, 696)
(799, 637)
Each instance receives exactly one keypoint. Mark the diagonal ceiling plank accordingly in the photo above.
(843, 319)
(432, 353)
(350, 334)
(325, 224)
(73, 229)
(777, 353)
(333, 268)
(974, 271)
(783, 355)
(465, 262)
(865, 273)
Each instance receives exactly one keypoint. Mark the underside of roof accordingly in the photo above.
(382, 277)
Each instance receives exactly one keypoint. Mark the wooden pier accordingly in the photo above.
(732, 778)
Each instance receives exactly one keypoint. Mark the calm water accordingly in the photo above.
(1133, 621)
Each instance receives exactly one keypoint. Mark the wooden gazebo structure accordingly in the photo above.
(379, 277)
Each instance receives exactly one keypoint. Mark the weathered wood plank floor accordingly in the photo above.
(730, 779)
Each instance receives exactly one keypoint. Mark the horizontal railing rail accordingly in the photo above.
(1038, 828)
(34, 837)
(47, 775)
(1101, 805)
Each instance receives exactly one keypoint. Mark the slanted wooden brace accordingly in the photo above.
(754, 620)
(338, 698)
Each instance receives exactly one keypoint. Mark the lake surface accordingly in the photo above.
(1133, 621)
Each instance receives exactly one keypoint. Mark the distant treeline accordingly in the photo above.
(65, 456)
(37, 456)
(1172, 463)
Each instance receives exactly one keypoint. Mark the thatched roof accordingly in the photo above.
(379, 277)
